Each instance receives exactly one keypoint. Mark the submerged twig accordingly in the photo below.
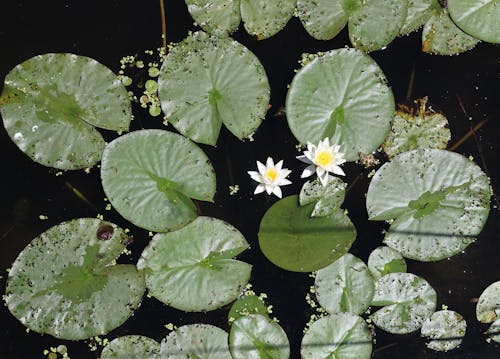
(410, 83)
(80, 195)
(468, 135)
(163, 25)
(385, 347)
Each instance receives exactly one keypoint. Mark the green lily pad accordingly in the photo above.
(294, 241)
(327, 199)
(419, 12)
(407, 301)
(264, 18)
(346, 285)
(247, 305)
(192, 269)
(256, 336)
(342, 95)
(479, 18)
(206, 81)
(385, 260)
(65, 282)
(442, 37)
(488, 306)
(50, 104)
(376, 23)
(217, 17)
(412, 129)
(131, 347)
(196, 341)
(446, 329)
(494, 331)
(339, 336)
(323, 19)
(149, 177)
(438, 202)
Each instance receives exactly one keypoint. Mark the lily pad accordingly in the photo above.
(446, 329)
(494, 331)
(479, 18)
(294, 241)
(385, 260)
(206, 81)
(342, 95)
(416, 128)
(407, 301)
(264, 18)
(339, 336)
(346, 285)
(488, 306)
(323, 19)
(200, 341)
(50, 104)
(438, 202)
(192, 269)
(149, 177)
(131, 347)
(217, 17)
(442, 37)
(247, 305)
(376, 23)
(327, 199)
(65, 282)
(257, 336)
(419, 12)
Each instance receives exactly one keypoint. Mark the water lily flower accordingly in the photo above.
(322, 159)
(270, 177)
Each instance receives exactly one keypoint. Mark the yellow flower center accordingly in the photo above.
(271, 174)
(324, 158)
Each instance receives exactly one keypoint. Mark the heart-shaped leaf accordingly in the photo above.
(478, 18)
(327, 199)
(385, 260)
(446, 329)
(131, 347)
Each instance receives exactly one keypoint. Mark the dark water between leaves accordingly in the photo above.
(464, 88)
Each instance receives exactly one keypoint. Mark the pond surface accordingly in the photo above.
(464, 88)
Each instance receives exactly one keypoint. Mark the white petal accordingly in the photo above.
(278, 166)
(338, 171)
(269, 162)
(269, 189)
(320, 171)
(324, 179)
(284, 182)
(277, 191)
(309, 171)
(311, 147)
(304, 159)
(259, 189)
(261, 167)
(255, 176)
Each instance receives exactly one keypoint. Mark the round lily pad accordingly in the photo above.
(412, 129)
(192, 268)
(419, 11)
(442, 37)
(206, 81)
(341, 95)
(247, 305)
(407, 301)
(385, 260)
(256, 336)
(376, 23)
(488, 306)
(339, 336)
(200, 341)
(264, 18)
(494, 331)
(217, 17)
(446, 329)
(323, 19)
(479, 18)
(294, 241)
(439, 201)
(65, 282)
(327, 199)
(131, 347)
(50, 104)
(149, 177)
(346, 285)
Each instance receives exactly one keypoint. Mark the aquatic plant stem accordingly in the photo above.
(163, 25)
(410, 83)
(80, 195)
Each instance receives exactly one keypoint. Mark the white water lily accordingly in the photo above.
(270, 177)
(322, 159)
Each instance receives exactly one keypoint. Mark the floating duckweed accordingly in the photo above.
(153, 71)
(154, 111)
(151, 85)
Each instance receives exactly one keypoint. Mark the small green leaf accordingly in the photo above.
(419, 11)
(264, 18)
(217, 17)
(446, 329)
(257, 336)
(247, 305)
(385, 260)
(488, 306)
(478, 18)
(192, 269)
(294, 241)
(131, 347)
(322, 19)
(327, 199)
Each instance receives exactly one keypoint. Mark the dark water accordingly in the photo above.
(108, 30)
